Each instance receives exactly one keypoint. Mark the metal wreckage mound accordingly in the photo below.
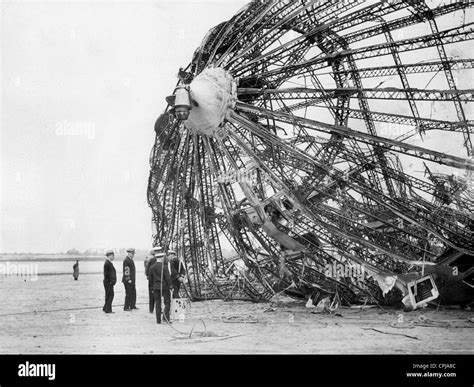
(289, 139)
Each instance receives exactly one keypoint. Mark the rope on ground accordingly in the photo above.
(192, 329)
(211, 339)
(426, 322)
(402, 325)
(205, 334)
(391, 333)
(238, 319)
(172, 327)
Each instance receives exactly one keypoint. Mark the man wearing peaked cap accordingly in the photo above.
(156, 251)
(128, 280)
(160, 278)
(110, 278)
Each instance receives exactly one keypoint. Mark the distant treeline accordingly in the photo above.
(48, 257)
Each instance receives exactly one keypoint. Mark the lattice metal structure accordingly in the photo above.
(306, 121)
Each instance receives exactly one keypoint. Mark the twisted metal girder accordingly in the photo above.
(290, 181)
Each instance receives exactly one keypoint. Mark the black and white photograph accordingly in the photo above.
(237, 177)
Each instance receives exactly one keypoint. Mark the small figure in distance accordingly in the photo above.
(75, 269)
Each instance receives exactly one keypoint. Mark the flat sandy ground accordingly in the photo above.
(56, 314)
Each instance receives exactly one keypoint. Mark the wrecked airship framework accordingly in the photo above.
(286, 140)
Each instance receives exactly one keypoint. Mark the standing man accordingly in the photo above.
(128, 280)
(177, 271)
(75, 269)
(150, 260)
(110, 279)
(155, 252)
(159, 275)
(146, 260)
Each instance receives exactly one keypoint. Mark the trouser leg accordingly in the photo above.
(127, 296)
(133, 300)
(151, 298)
(157, 296)
(109, 296)
(105, 302)
(167, 301)
(134, 296)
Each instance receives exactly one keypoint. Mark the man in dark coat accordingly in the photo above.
(151, 300)
(75, 269)
(178, 271)
(128, 280)
(155, 252)
(160, 277)
(110, 279)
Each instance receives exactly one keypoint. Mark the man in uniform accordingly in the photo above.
(159, 276)
(177, 271)
(75, 269)
(110, 278)
(150, 260)
(128, 280)
(155, 252)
